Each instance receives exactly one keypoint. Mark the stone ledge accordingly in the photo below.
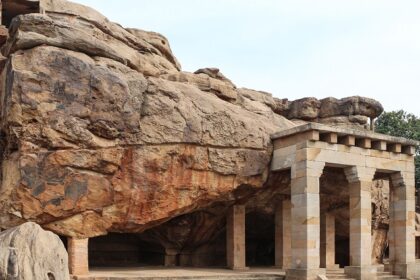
(307, 274)
(328, 132)
(361, 272)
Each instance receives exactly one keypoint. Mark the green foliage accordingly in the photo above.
(402, 124)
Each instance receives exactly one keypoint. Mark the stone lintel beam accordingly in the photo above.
(322, 128)
(310, 135)
(78, 256)
(364, 139)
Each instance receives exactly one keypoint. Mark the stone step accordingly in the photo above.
(215, 277)
(222, 278)
(388, 277)
(338, 277)
(337, 274)
(383, 275)
(333, 278)
(341, 277)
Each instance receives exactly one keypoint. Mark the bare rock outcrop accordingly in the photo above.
(352, 111)
(27, 252)
(102, 131)
(100, 138)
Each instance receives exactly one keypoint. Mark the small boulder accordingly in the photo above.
(28, 252)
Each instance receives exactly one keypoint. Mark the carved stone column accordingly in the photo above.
(402, 247)
(360, 184)
(235, 238)
(283, 246)
(327, 241)
(171, 257)
(305, 220)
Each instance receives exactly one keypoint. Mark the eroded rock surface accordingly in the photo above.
(27, 252)
(103, 132)
(99, 137)
(352, 111)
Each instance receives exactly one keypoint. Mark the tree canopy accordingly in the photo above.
(402, 124)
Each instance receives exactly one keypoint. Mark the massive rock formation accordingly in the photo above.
(102, 132)
(98, 137)
(28, 252)
(101, 127)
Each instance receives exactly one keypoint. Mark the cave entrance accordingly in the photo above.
(334, 219)
(13, 8)
(124, 250)
(259, 239)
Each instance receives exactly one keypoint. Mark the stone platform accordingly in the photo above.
(162, 273)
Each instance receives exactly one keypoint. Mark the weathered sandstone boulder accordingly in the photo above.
(101, 140)
(27, 252)
(97, 139)
(351, 111)
(102, 132)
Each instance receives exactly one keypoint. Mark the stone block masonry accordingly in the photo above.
(235, 238)
(78, 256)
(306, 150)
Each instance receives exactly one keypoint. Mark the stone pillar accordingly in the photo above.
(171, 257)
(235, 237)
(403, 222)
(391, 259)
(327, 251)
(78, 256)
(283, 231)
(360, 184)
(305, 221)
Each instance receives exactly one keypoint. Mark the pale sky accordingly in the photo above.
(292, 48)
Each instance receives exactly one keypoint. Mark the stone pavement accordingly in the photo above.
(162, 273)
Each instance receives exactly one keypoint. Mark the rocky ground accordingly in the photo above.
(103, 132)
